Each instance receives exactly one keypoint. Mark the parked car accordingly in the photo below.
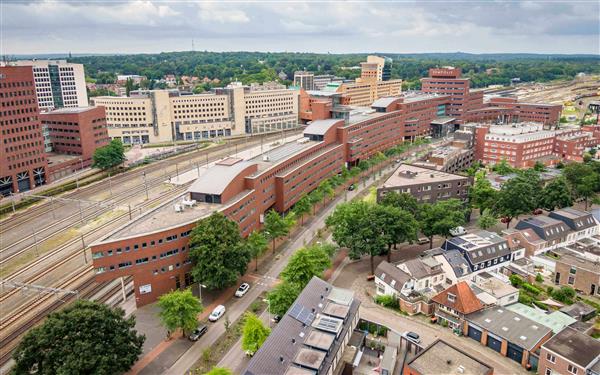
(414, 337)
(198, 332)
(217, 313)
(243, 289)
(351, 187)
(276, 318)
(458, 231)
(423, 240)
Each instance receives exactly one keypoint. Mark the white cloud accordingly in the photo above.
(213, 12)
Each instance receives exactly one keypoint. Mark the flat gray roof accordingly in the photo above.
(443, 358)
(575, 346)
(320, 127)
(384, 102)
(68, 110)
(511, 326)
(408, 174)
(218, 177)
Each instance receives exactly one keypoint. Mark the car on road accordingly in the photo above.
(423, 240)
(198, 332)
(217, 313)
(243, 289)
(414, 337)
(458, 231)
(351, 187)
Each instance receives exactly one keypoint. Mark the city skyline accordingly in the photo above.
(335, 27)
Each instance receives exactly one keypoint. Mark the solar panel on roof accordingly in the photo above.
(328, 324)
(301, 314)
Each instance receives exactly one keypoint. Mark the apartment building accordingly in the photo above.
(23, 163)
(570, 352)
(58, 83)
(521, 145)
(572, 146)
(75, 133)
(426, 185)
(304, 80)
(312, 336)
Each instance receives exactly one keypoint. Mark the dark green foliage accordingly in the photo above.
(525, 299)
(565, 294)
(539, 278)
(516, 280)
(179, 309)
(531, 289)
(84, 338)
(304, 264)
(282, 297)
(404, 201)
(245, 66)
(387, 301)
(373, 328)
(440, 217)
(217, 252)
(557, 194)
(275, 226)
(109, 156)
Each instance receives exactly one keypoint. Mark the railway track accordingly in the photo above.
(77, 253)
(86, 289)
(159, 166)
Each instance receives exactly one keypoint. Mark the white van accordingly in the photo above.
(217, 313)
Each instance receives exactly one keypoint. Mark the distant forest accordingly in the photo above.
(247, 67)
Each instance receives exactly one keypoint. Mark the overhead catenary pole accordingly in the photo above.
(145, 184)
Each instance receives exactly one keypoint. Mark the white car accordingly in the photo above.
(458, 231)
(243, 289)
(217, 313)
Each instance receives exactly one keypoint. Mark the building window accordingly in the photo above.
(550, 358)
(451, 297)
(571, 280)
(573, 271)
(572, 369)
(548, 371)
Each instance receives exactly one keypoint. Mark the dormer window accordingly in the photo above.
(451, 297)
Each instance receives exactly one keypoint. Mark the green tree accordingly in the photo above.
(398, 226)
(482, 195)
(304, 264)
(354, 225)
(315, 197)
(110, 155)
(275, 226)
(587, 188)
(254, 333)
(179, 309)
(219, 371)
(440, 217)
(487, 219)
(217, 252)
(503, 168)
(128, 86)
(85, 337)
(403, 201)
(256, 244)
(556, 194)
(302, 207)
(282, 297)
(539, 166)
(517, 196)
(326, 189)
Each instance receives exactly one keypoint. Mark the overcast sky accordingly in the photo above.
(314, 26)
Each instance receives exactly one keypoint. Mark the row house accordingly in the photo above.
(454, 303)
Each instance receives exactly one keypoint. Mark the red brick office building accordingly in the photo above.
(23, 162)
(76, 131)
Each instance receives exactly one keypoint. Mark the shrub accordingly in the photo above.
(444, 323)
(549, 290)
(540, 305)
(387, 301)
(516, 280)
(568, 291)
(564, 294)
(373, 328)
(525, 299)
(531, 289)
(539, 278)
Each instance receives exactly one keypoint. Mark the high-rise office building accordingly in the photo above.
(58, 83)
(22, 160)
(305, 80)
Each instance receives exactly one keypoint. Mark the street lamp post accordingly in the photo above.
(200, 286)
(268, 309)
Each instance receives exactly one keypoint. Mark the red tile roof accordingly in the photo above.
(466, 301)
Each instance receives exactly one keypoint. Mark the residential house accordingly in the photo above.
(443, 358)
(578, 272)
(453, 304)
(570, 352)
(483, 250)
(508, 333)
(490, 290)
(413, 282)
(582, 223)
(312, 336)
(580, 311)
(554, 232)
